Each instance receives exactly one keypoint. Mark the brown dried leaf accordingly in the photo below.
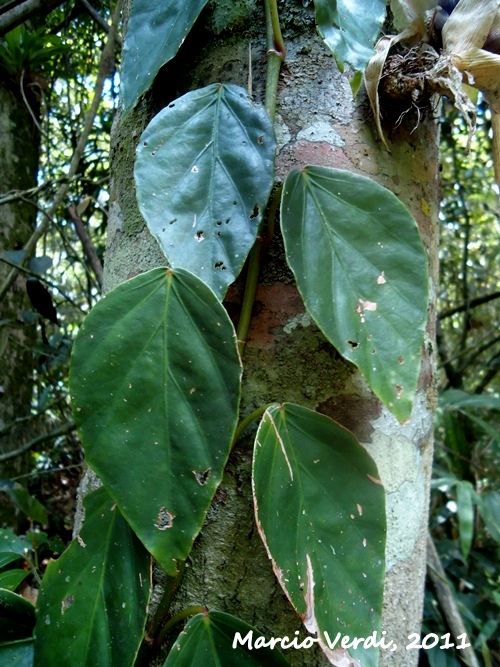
(373, 71)
(469, 25)
(372, 76)
(495, 124)
(484, 67)
(416, 8)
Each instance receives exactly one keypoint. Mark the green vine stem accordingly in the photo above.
(276, 53)
(177, 618)
(171, 586)
(275, 56)
(245, 423)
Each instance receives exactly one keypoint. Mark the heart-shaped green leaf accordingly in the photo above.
(361, 269)
(155, 385)
(204, 170)
(155, 31)
(320, 511)
(207, 641)
(92, 605)
(350, 29)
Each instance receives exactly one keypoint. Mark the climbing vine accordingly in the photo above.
(156, 368)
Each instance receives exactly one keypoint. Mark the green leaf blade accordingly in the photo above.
(10, 579)
(155, 385)
(154, 34)
(12, 547)
(93, 600)
(320, 510)
(204, 171)
(207, 640)
(361, 269)
(465, 511)
(17, 654)
(17, 616)
(350, 30)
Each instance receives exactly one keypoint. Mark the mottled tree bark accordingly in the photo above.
(19, 151)
(286, 357)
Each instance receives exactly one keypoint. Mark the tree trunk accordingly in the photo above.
(286, 357)
(19, 146)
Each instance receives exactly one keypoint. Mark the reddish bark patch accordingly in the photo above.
(275, 305)
(354, 413)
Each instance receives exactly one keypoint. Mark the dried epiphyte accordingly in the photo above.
(443, 48)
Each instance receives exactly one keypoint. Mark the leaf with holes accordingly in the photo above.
(350, 29)
(320, 510)
(155, 385)
(361, 269)
(204, 170)
(208, 639)
(155, 31)
(93, 600)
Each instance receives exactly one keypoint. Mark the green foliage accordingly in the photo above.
(320, 510)
(92, 603)
(29, 505)
(204, 170)
(23, 50)
(154, 35)
(350, 29)
(155, 385)
(17, 616)
(470, 274)
(361, 269)
(207, 640)
(18, 654)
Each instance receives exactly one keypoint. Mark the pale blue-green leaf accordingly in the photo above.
(361, 269)
(350, 29)
(320, 510)
(155, 386)
(92, 605)
(17, 654)
(155, 31)
(203, 171)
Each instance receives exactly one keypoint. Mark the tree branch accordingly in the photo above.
(486, 298)
(88, 248)
(14, 13)
(98, 19)
(61, 430)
